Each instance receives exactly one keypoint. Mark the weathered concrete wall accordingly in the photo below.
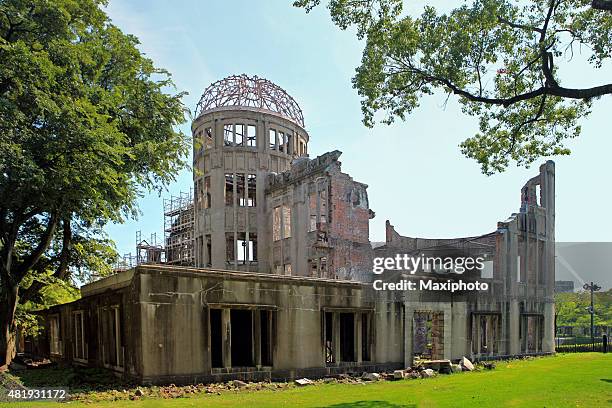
(115, 292)
(175, 337)
(214, 157)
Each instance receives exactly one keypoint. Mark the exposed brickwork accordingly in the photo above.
(330, 214)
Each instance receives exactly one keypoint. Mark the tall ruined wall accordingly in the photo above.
(526, 246)
(329, 215)
(515, 316)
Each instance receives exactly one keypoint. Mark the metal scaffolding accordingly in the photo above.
(124, 263)
(179, 219)
(149, 252)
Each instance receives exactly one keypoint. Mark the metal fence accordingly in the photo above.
(597, 346)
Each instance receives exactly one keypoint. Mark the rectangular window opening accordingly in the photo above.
(281, 142)
(228, 135)
(241, 189)
(252, 190)
(230, 247)
(110, 330)
(272, 139)
(207, 195)
(247, 248)
(251, 136)
(208, 254)
(54, 336)
(229, 189)
(239, 135)
(80, 352)
(208, 138)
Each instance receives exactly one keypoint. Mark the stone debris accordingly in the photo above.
(441, 366)
(370, 377)
(303, 381)
(427, 373)
(174, 391)
(239, 384)
(398, 374)
(466, 364)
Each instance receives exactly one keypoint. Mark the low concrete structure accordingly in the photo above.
(172, 324)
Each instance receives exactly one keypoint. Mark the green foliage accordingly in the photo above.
(87, 124)
(498, 56)
(53, 292)
(571, 309)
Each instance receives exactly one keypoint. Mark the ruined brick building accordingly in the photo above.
(268, 269)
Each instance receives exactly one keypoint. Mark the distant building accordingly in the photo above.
(564, 286)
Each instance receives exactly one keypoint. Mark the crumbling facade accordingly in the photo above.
(268, 270)
(515, 316)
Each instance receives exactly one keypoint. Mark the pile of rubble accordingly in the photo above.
(421, 369)
(24, 361)
(425, 369)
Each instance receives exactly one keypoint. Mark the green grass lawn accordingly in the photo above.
(566, 380)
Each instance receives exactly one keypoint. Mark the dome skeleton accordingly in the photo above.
(255, 92)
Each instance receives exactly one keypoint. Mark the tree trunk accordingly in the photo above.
(7, 325)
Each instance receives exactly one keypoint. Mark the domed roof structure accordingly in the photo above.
(254, 92)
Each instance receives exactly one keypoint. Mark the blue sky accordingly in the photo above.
(417, 177)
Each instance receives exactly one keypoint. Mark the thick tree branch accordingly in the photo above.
(551, 89)
(581, 93)
(38, 252)
(61, 271)
(519, 26)
(493, 101)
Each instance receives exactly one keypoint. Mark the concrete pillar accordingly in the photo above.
(358, 340)
(514, 328)
(257, 337)
(226, 337)
(448, 332)
(336, 336)
(548, 341)
(408, 334)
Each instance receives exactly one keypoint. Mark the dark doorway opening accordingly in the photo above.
(347, 337)
(216, 338)
(242, 337)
